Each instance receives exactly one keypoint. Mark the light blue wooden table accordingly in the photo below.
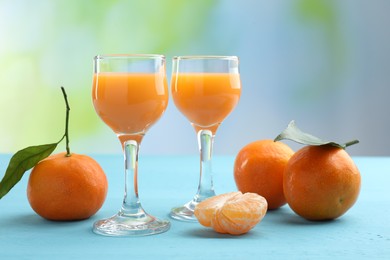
(164, 182)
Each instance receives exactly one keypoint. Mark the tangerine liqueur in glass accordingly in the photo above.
(206, 98)
(121, 94)
(205, 89)
(130, 94)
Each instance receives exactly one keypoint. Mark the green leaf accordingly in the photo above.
(293, 133)
(21, 162)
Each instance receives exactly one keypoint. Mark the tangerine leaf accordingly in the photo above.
(293, 133)
(21, 162)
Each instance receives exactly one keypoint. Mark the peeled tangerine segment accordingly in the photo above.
(233, 213)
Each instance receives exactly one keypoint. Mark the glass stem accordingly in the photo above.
(131, 205)
(205, 188)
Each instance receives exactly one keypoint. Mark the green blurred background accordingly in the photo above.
(323, 63)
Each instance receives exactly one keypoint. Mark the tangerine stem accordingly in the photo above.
(351, 143)
(66, 122)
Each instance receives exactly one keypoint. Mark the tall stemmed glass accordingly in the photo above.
(205, 89)
(130, 94)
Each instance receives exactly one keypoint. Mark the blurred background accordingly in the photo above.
(323, 63)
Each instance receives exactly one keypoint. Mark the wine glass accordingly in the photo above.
(130, 94)
(205, 89)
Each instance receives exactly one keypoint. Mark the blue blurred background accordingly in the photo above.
(323, 63)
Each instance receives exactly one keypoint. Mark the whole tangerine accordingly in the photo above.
(259, 167)
(321, 182)
(67, 187)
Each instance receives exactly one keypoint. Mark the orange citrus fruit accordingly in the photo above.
(231, 213)
(259, 168)
(64, 187)
(321, 182)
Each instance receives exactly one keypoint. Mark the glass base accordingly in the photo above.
(185, 212)
(124, 225)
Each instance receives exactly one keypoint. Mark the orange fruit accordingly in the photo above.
(64, 187)
(259, 168)
(232, 213)
(321, 182)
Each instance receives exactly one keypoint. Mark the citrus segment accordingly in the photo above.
(241, 213)
(205, 210)
(233, 213)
